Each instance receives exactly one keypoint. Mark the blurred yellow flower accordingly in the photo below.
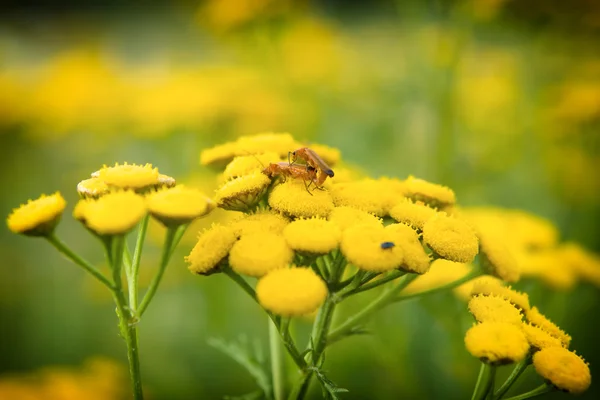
(494, 309)
(292, 198)
(259, 253)
(314, 235)
(440, 273)
(536, 318)
(432, 194)
(450, 238)
(539, 338)
(413, 214)
(212, 247)
(129, 176)
(37, 217)
(369, 195)
(488, 285)
(497, 258)
(497, 343)
(291, 291)
(243, 165)
(362, 246)
(92, 188)
(330, 155)
(243, 193)
(415, 259)
(178, 205)
(261, 221)
(563, 368)
(112, 214)
(346, 217)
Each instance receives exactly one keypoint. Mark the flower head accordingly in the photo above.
(538, 319)
(37, 217)
(291, 291)
(261, 221)
(129, 176)
(315, 235)
(243, 165)
(361, 245)
(218, 156)
(368, 195)
(497, 258)
(415, 258)
(243, 193)
(563, 368)
(413, 214)
(112, 214)
(494, 309)
(539, 338)
(165, 181)
(178, 205)
(257, 254)
(497, 343)
(346, 217)
(451, 238)
(491, 286)
(212, 247)
(440, 273)
(432, 194)
(292, 198)
(92, 188)
(330, 155)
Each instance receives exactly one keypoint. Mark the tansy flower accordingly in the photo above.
(450, 238)
(440, 273)
(539, 338)
(257, 254)
(315, 235)
(261, 221)
(413, 214)
(37, 217)
(92, 188)
(368, 195)
(550, 266)
(362, 246)
(434, 195)
(243, 193)
(415, 258)
(218, 156)
(178, 205)
(212, 247)
(291, 291)
(538, 319)
(330, 155)
(488, 285)
(497, 343)
(292, 198)
(497, 258)
(494, 309)
(243, 165)
(563, 368)
(585, 263)
(129, 176)
(166, 181)
(112, 214)
(346, 217)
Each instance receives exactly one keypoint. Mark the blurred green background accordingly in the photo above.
(500, 100)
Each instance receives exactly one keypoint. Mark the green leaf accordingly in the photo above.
(330, 389)
(258, 395)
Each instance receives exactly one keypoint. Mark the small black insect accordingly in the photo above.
(387, 245)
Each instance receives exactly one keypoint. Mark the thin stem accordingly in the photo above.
(471, 275)
(276, 361)
(384, 299)
(390, 277)
(484, 381)
(77, 260)
(132, 279)
(514, 375)
(540, 390)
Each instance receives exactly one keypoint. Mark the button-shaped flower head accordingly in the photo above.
(259, 253)
(292, 198)
(451, 238)
(211, 249)
(37, 217)
(243, 193)
(362, 246)
(178, 205)
(115, 213)
(315, 235)
(563, 368)
(497, 343)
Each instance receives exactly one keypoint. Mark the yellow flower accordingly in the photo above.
(415, 258)
(243, 193)
(539, 338)
(262, 221)
(488, 285)
(362, 246)
(432, 194)
(497, 343)
(243, 165)
(585, 263)
(129, 176)
(368, 195)
(494, 309)
(257, 254)
(291, 291)
(538, 319)
(497, 258)
(166, 181)
(178, 205)
(413, 214)
(38, 217)
(440, 273)
(212, 247)
(218, 156)
(563, 368)
(330, 155)
(292, 198)
(315, 235)
(92, 188)
(550, 265)
(346, 217)
(112, 214)
(451, 238)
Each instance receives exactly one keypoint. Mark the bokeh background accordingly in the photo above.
(498, 99)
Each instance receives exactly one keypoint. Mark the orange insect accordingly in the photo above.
(312, 160)
(295, 171)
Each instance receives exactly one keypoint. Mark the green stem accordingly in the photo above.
(276, 361)
(470, 276)
(384, 299)
(132, 279)
(514, 375)
(77, 260)
(540, 390)
(390, 277)
(484, 382)
(164, 261)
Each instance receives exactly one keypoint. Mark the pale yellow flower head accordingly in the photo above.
(415, 258)
(552, 266)
(362, 246)
(292, 198)
(451, 238)
(243, 165)
(563, 368)
(178, 205)
(346, 217)
(488, 285)
(440, 273)
(367, 195)
(494, 309)
(261, 221)
(165, 181)
(538, 319)
(211, 249)
(243, 193)
(257, 254)
(315, 235)
(539, 338)
(218, 156)
(432, 194)
(129, 176)
(497, 260)
(497, 343)
(115, 213)
(37, 217)
(585, 263)
(291, 291)
(92, 188)
(411, 213)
